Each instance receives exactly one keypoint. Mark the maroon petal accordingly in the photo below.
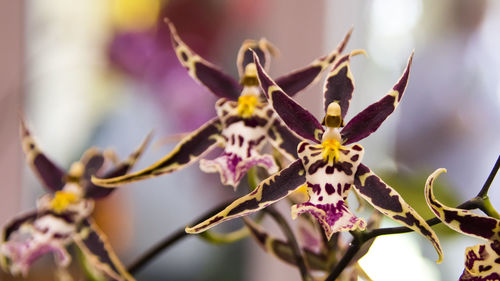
(263, 48)
(94, 191)
(368, 120)
(339, 85)
(219, 83)
(388, 201)
(299, 79)
(295, 116)
(269, 191)
(49, 172)
(98, 251)
(460, 220)
(190, 149)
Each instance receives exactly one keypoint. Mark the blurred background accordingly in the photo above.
(103, 73)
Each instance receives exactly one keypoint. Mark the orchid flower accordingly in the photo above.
(244, 120)
(482, 261)
(326, 165)
(320, 257)
(63, 215)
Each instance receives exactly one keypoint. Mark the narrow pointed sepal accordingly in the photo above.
(388, 201)
(263, 48)
(283, 250)
(190, 149)
(299, 79)
(219, 83)
(94, 191)
(293, 115)
(284, 140)
(97, 250)
(339, 84)
(367, 121)
(270, 190)
(49, 172)
(460, 220)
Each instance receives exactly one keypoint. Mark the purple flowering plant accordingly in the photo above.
(314, 166)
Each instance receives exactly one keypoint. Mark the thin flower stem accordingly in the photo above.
(487, 184)
(170, 240)
(299, 259)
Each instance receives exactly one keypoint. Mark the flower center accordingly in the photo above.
(62, 199)
(330, 149)
(246, 105)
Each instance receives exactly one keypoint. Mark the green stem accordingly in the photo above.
(488, 208)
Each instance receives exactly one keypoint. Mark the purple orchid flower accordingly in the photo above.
(482, 261)
(63, 215)
(244, 122)
(326, 165)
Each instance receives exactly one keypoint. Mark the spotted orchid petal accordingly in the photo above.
(460, 220)
(293, 115)
(190, 149)
(284, 140)
(244, 136)
(367, 121)
(482, 262)
(94, 191)
(388, 201)
(35, 234)
(283, 250)
(49, 172)
(328, 184)
(232, 167)
(219, 83)
(339, 85)
(98, 252)
(263, 48)
(299, 79)
(270, 190)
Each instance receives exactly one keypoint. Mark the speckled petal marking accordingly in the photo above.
(94, 191)
(301, 78)
(388, 201)
(463, 221)
(329, 182)
(96, 248)
(367, 121)
(219, 83)
(283, 250)
(49, 173)
(270, 190)
(186, 152)
(482, 262)
(295, 116)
